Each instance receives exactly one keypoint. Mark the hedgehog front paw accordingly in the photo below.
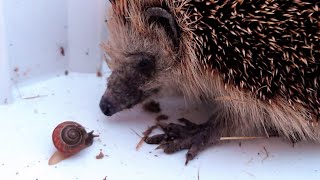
(189, 136)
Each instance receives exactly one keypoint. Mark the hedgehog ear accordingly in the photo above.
(166, 19)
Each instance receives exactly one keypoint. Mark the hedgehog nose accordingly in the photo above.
(106, 107)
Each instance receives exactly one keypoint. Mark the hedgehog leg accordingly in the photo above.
(189, 136)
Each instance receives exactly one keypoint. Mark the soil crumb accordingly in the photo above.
(62, 51)
(99, 74)
(100, 155)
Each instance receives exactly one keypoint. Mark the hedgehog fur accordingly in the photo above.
(256, 61)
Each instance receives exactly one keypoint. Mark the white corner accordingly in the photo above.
(5, 86)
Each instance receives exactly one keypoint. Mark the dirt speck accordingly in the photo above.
(105, 178)
(100, 155)
(17, 173)
(240, 144)
(16, 69)
(99, 74)
(66, 72)
(152, 106)
(61, 49)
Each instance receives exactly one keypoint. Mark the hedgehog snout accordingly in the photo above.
(107, 107)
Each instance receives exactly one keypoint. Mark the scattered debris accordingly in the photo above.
(16, 69)
(155, 155)
(100, 155)
(105, 178)
(250, 174)
(34, 97)
(62, 51)
(152, 106)
(66, 72)
(99, 74)
(145, 135)
(162, 117)
(267, 153)
(136, 133)
(250, 161)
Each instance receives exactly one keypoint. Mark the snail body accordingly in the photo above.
(70, 137)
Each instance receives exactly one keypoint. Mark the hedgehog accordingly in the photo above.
(253, 64)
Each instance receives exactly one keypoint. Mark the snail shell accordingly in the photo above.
(70, 137)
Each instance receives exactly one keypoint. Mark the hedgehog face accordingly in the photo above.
(126, 83)
(141, 52)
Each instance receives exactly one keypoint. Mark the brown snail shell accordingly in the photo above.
(70, 137)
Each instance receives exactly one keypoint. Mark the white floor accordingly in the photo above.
(26, 143)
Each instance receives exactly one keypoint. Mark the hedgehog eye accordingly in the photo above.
(146, 66)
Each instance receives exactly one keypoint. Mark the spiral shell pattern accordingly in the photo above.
(69, 137)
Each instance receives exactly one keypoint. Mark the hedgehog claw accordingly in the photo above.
(190, 136)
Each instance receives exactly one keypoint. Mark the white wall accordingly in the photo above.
(85, 32)
(36, 30)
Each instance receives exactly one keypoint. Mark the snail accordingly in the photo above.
(69, 138)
